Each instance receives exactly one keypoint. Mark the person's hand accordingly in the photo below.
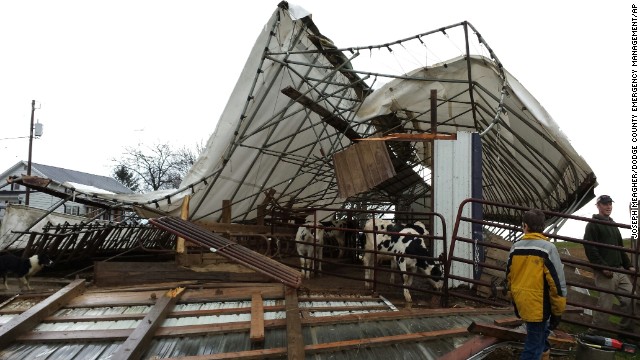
(607, 273)
(631, 269)
(554, 321)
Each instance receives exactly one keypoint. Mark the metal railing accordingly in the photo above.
(579, 273)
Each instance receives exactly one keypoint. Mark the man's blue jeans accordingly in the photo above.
(536, 342)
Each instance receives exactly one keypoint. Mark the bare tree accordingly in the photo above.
(159, 166)
(154, 166)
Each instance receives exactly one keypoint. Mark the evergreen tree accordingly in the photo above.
(126, 177)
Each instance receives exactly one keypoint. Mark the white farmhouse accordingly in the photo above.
(12, 193)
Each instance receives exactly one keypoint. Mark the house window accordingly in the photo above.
(72, 210)
(15, 187)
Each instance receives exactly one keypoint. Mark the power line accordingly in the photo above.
(13, 138)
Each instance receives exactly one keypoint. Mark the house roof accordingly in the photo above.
(72, 177)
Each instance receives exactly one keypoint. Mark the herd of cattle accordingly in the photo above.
(403, 245)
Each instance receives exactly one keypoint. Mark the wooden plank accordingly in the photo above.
(274, 353)
(570, 275)
(500, 274)
(486, 291)
(130, 273)
(498, 240)
(580, 298)
(385, 340)
(497, 254)
(184, 215)
(140, 338)
(29, 319)
(274, 291)
(569, 260)
(370, 166)
(173, 314)
(226, 211)
(412, 137)
(513, 335)
(256, 335)
(403, 314)
(361, 167)
(295, 342)
(511, 321)
(356, 172)
(145, 297)
(337, 122)
(333, 346)
(74, 336)
(470, 347)
(339, 298)
(345, 186)
(246, 229)
(245, 326)
(384, 166)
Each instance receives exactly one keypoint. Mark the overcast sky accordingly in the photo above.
(110, 74)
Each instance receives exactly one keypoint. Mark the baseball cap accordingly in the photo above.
(605, 199)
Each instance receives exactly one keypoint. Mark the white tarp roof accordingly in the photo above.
(266, 139)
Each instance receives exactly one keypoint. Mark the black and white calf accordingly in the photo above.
(409, 242)
(305, 241)
(413, 245)
(22, 268)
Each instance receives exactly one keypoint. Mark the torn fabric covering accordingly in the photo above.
(299, 100)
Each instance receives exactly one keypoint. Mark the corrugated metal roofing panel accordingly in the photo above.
(213, 343)
(337, 313)
(87, 325)
(86, 351)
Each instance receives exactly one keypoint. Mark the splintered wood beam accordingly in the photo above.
(184, 215)
(327, 116)
(295, 342)
(26, 321)
(256, 334)
(138, 341)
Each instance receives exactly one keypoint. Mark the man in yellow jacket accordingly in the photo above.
(535, 278)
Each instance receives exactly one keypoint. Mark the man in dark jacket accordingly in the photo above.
(604, 278)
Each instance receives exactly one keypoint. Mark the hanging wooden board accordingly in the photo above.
(361, 167)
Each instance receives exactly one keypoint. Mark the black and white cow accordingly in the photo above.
(413, 245)
(409, 243)
(305, 240)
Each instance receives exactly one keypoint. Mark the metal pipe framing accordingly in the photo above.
(231, 147)
(230, 250)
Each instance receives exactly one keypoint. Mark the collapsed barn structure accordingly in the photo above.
(316, 132)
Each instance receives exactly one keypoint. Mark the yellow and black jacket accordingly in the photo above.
(536, 279)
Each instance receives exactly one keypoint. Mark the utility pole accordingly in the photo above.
(33, 110)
